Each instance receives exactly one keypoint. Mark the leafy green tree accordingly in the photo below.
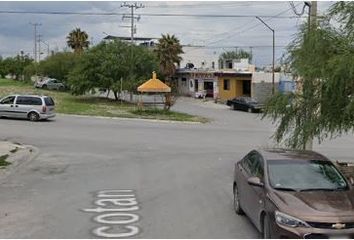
(16, 65)
(323, 59)
(78, 40)
(104, 65)
(58, 65)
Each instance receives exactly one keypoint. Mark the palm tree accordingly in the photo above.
(168, 50)
(77, 40)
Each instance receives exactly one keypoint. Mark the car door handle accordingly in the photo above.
(11, 105)
(16, 105)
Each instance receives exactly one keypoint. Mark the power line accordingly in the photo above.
(132, 17)
(252, 27)
(143, 14)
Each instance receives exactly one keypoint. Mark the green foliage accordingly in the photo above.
(15, 65)
(104, 65)
(3, 161)
(323, 60)
(58, 65)
(77, 40)
(168, 52)
(237, 54)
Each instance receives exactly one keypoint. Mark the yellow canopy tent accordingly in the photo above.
(153, 85)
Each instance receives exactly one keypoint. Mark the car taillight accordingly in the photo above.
(44, 109)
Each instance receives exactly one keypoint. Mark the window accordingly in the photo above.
(253, 165)
(49, 101)
(226, 84)
(184, 81)
(8, 100)
(29, 101)
(228, 64)
(212, 65)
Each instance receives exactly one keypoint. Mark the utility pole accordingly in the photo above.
(312, 21)
(132, 17)
(35, 25)
(260, 19)
(47, 44)
(39, 47)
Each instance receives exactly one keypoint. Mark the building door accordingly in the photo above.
(209, 88)
(246, 87)
(196, 87)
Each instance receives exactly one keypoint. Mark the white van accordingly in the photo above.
(32, 107)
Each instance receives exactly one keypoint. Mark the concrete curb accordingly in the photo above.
(130, 119)
(22, 157)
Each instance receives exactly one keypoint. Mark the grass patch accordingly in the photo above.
(91, 105)
(3, 161)
(167, 115)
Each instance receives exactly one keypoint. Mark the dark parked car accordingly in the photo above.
(294, 194)
(245, 104)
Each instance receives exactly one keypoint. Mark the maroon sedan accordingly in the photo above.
(294, 194)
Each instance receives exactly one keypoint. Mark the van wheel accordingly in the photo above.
(237, 205)
(266, 228)
(33, 116)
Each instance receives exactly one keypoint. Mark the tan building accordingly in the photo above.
(233, 84)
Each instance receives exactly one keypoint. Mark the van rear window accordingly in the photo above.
(49, 101)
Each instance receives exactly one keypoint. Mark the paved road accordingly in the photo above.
(180, 174)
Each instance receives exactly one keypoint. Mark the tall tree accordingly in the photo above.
(77, 40)
(323, 60)
(168, 51)
(104, 65)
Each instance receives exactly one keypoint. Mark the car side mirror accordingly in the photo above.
(255, 181)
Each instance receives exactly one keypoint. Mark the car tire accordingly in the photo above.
(266, 228)
(44, 86)
(33, 116)
(237, 205)
(249, 110)
(234, 107)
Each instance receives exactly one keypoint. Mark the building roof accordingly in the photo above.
(154, 85)
(110, 37)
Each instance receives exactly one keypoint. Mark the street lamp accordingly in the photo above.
(271, 29)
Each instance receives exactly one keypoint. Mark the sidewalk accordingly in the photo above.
(15, 155)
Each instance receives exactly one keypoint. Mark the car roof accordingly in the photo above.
(287, 154)
(27, 95)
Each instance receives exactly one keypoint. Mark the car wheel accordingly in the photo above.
(266, 228)
(44, 87)
(33, 116)
(249, 110)
(237, 205)
(234, 107)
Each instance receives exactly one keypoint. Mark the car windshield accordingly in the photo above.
(302, 175)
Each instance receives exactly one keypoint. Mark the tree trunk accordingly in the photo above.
(108, 91)
(131, 96)
(115, 95)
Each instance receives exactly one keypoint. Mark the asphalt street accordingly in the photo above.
(178, 175)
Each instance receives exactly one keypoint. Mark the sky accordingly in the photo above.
(216, 35)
